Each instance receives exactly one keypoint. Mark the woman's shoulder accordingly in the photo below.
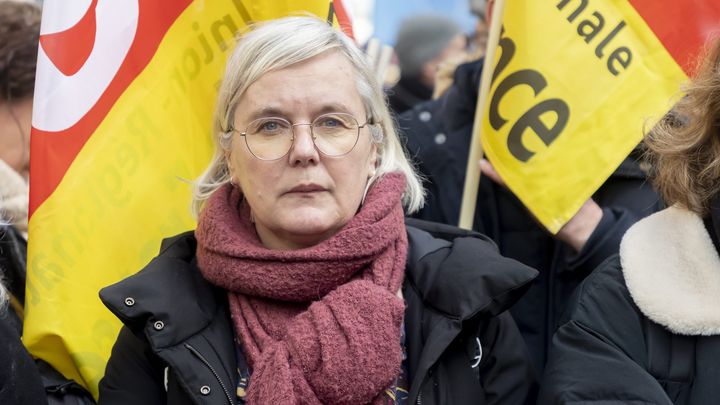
(180, 246)
(461, 272)
(169, 289)
(426, 237)
(174, 264)
(661, 258)
(603, 288)
(603, 307)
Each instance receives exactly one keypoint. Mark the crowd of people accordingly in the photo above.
(325, 267)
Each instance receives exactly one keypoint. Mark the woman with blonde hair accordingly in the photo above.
(302, 283)
(644, 328)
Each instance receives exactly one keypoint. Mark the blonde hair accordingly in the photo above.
(280, 43)
(684, 147)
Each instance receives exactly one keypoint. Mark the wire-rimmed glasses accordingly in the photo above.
(334, 134)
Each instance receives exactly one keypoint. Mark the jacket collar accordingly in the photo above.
(442, 271)
(160, 292)
(672, 271)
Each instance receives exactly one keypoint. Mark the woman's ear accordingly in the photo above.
(230, 166)
(373, 161)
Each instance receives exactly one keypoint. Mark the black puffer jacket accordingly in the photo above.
(438, 137)
(644, 328)
(177, 343)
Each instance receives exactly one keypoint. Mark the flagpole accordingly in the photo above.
(472, 174)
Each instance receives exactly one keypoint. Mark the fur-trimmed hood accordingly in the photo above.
(672, 271)
(13, 198)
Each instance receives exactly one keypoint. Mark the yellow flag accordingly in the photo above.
(122, 118)
(575, 83)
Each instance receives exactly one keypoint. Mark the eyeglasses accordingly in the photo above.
(334, 134)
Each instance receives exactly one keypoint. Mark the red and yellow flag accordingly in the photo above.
(576, 82)
(122, 118)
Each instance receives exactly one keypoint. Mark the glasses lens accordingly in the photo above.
(269, 138)
(335, 134)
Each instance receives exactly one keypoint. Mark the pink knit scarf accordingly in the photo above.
(320, 324)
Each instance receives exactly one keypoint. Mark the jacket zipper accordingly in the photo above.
(202, 359)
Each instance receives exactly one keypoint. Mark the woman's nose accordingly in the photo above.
(303, 151)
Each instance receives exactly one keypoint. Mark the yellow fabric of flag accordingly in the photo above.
(126, 189)
(573, 89)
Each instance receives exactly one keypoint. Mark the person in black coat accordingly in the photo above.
(424, 42)
(19, 39)
(442, 330)
(645, 326)
(302, 282)
(438, 135)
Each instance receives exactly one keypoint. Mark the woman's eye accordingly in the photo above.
(270, 126)
(330, 122)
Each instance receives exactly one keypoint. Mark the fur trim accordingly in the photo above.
(672, 271)
(13, 198)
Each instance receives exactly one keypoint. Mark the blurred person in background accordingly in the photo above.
(19, 35)
(19, 38)
(423, 43)
(20, 381)
(478, 40)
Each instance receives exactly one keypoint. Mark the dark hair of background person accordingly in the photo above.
(20, 32)
(684, 147)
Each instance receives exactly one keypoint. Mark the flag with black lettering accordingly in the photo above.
(122, 118)
(575, 84)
